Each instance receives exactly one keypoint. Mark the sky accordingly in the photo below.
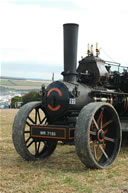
(31, 34)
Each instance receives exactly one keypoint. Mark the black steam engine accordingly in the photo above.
(89, 109)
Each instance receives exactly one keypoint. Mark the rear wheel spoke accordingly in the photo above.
(101, 122)
(104, 145)
(103, 151)
(107, 123)
(100, 117)
(92, 143)
(97, 150)
(109, 139)
(94, 149)
(95, 124)
(106, 131)
(92, 132)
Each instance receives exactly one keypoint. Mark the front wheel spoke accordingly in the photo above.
(36, 150)
(30, 143)
(107, 123)
(38, 115)
(43, 120)
(27, 140)
(46, 144)
(109, 139)
(103, 151)
(26, 131)
(31, 119)
(27, 123)
(38, 147)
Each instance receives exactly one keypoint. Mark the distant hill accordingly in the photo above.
(22, 84)
(17, 78)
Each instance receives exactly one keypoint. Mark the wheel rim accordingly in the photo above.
(98, 135)
(104, 136)
(28, 147)
(36, 147)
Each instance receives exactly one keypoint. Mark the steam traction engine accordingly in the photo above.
(89, 108)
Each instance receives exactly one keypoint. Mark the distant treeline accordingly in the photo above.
(6, 91)
(29, 97)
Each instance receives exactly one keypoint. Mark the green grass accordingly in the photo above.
(63, 172)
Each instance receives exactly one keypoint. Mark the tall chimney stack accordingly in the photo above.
(70, 51)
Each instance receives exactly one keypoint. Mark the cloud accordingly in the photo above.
(31, 69)
(32, 32)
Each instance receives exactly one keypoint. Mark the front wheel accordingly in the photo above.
(28, 147)
(98, 135)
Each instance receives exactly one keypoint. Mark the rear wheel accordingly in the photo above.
(31, 148)
(98, 135)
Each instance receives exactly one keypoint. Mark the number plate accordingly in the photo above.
(48, 132)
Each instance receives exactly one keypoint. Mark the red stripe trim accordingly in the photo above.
(54, 89)
(55, 108)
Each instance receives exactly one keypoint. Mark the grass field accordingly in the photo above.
(61, 173)
(22, 84)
